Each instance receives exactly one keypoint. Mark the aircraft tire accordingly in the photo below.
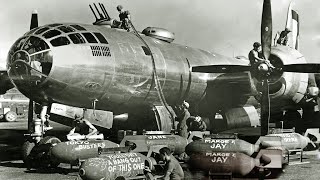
(10, 116)
(26, 149)
(53, 141)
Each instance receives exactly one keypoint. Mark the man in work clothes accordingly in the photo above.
(283, 39)
(173, 170)
(82, 126)
(182, 117)
(124, 18)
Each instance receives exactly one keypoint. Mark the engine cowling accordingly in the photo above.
(285, 87)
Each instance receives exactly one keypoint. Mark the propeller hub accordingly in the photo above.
(313, 91)
(263, 68)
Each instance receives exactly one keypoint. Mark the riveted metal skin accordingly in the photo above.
(118, 75)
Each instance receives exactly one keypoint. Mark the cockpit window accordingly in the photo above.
(60, 41)
(90, 38)
(101, 38)
(35, 44)
(54, 25)
(41, 30)
(79, 28)
(66, 29)
(76, 38)
(51, 33)
(18, 44)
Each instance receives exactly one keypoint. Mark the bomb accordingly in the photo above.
(287, 141)
(143, 142)
(221, 145)
(112, 166)
(73, 151)
(224, 162)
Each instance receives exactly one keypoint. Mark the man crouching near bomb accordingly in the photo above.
(82, 129)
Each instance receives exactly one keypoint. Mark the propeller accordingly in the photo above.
(264, 69)
(33, 24)
(266, 40)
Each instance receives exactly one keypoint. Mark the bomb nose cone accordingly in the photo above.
(82, 172)
(305, 141)
(60, 151)
(263, 67)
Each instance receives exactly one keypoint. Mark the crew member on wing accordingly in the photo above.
(283, 39)
(124, 18)
(256, 57)
(82, 126)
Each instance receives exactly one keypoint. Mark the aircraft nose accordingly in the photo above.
(30, 60)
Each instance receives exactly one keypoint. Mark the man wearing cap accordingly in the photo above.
(124, 18)
(283, 39)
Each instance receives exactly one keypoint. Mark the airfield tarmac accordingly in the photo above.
(12, 168)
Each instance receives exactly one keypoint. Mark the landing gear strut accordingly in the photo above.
(36, 150)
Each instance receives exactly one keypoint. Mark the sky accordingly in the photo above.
(228, 27)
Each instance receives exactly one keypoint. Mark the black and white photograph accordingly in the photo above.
(170, 89)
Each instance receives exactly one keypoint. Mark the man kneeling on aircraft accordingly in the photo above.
(124, 18)
(255, 56)
(82, 129)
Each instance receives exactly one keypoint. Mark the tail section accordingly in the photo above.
(293, 24)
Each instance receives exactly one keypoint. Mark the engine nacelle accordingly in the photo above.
(285, 86)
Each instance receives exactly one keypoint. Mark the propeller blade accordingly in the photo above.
(266, 29)
(34, 20)
(265, 108)
(30, 115)
(221, 68)
(302, 68)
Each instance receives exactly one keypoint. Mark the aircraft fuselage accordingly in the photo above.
(117, 73)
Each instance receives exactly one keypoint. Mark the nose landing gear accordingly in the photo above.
(36, 150)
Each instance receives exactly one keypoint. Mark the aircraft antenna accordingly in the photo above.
(101, 16)
(104, 11)
(93, 12)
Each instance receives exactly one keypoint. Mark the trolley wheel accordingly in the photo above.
(10, 116)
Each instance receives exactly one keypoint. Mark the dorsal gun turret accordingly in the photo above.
(104, 18)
